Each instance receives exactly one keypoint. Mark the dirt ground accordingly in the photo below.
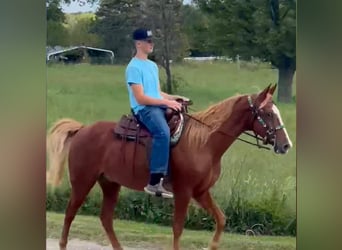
(75, 244)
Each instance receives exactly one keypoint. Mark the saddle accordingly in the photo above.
(130, 128)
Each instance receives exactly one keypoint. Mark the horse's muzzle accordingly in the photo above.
(283, 149)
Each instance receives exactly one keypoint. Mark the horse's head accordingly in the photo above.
(267, 121)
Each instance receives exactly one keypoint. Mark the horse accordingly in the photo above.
(96, 156)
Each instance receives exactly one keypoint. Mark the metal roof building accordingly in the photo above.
(60, 53)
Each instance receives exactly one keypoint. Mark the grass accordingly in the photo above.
(144, 235)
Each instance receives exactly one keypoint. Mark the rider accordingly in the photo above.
(149, 104)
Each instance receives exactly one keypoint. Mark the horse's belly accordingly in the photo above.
(127, 166)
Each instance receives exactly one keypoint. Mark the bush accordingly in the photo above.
(265, 217)
(178, 83)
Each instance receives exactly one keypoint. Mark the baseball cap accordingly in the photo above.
(142, 34)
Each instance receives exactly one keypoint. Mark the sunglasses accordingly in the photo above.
(148, 40)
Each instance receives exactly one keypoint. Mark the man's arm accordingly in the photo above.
(167, 96)
(142, 99)
(138, 92)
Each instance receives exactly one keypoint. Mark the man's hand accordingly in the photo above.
(173, 104)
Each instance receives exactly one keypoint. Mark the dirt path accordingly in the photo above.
(75, 244)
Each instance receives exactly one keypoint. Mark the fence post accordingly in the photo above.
(238, 61)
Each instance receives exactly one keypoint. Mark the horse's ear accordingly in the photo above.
(271, 91)
(267, 99)
(267, 89)
(264, 97)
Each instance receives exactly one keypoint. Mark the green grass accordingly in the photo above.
(90, 93)
(140, 234)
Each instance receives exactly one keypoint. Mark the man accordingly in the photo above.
(149, 103)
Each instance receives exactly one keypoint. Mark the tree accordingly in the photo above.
(80, 30)
(56, 32)
(164, 18)
(81, 2)
(116, 20)
(261, 28)
(195, 24)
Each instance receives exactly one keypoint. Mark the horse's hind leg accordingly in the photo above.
(206, 201)
(110, 196)
(79, 192)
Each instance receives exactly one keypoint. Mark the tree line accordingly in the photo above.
(265, 29)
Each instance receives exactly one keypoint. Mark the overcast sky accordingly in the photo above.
(75, 7)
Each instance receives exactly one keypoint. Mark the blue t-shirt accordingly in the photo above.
(144, 72)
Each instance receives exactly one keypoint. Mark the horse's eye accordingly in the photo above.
(269, 114)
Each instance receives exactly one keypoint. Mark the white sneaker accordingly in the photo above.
(158, 190)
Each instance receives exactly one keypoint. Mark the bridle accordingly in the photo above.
(270, 131)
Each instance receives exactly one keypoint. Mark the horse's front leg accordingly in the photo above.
(206, 201)
(182, 200)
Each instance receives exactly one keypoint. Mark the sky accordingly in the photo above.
(75, 7)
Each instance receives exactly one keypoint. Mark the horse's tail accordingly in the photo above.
(58, 144)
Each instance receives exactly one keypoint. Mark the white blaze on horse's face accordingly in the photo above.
(277, 113)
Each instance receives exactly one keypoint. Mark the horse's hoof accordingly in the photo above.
(62, 247)
(213, 245)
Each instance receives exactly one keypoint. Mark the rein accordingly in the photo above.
(237, 138)
(255, 136)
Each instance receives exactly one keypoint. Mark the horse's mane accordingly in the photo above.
(197, 133)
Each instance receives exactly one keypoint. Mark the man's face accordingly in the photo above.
(145, 45)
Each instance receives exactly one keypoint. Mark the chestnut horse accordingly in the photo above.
(95, 155)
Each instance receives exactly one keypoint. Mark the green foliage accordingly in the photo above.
(69, 1)
(164, 18)
(57, 34)
(57, 199)
(178, 83)
(196, 27)
(69, 29)
(54, 12)
(80, 28)
(115, 21)
(260, 28)
(268, 216)
(265, 29)
(254, 28)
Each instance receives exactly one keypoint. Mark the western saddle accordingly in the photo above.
(129, 128)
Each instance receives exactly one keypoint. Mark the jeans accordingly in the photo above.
(153, 118)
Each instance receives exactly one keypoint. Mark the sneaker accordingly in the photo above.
(158, 190)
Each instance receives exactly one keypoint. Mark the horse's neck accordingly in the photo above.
(222, 137)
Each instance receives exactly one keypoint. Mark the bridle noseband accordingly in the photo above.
(270, 131)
